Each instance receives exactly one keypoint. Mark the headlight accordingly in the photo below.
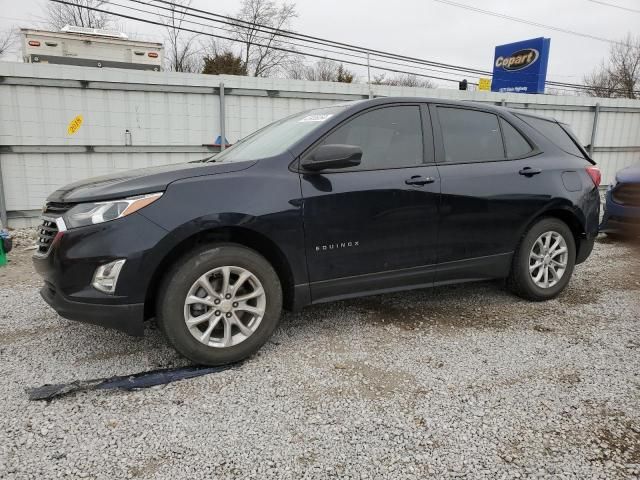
(98, 212)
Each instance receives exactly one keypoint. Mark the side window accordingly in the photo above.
(470, 135)
(554, 132)
(390, 137)
(514, 143)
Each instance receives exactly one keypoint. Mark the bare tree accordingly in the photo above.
(403, 80)
(7, 40)
(601, 83)
(260, 45)
(620, 75)
(59, 14)
(297, 70)
(323, 70)
(182, 53)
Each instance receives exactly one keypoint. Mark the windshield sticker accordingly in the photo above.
(316, 117)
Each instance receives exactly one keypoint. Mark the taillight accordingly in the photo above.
(34, 43)
(153, 55)
(596, 176)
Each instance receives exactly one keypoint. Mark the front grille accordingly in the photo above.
(47, 233)
(627, 194)
(49, 229)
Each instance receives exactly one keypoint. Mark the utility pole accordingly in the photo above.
(369, 75)
(3, 203)
(223, 133)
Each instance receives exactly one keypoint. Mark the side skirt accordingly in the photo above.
(475, 269)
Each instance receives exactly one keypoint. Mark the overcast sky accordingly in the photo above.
(431, 30)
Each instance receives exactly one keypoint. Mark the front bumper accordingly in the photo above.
(125, 317)
(69, 266)
(621, 219)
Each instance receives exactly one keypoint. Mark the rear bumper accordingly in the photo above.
(127, 318)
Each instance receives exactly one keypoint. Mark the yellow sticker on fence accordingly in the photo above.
(74, 125)
(484, 84)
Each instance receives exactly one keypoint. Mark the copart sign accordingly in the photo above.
(521, 67)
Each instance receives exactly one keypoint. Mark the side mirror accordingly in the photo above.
(333, 156)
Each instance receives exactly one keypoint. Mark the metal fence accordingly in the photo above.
(134, 119)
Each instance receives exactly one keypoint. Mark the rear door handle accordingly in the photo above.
(529, 172)
(419, 180)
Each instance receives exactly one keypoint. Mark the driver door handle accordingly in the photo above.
(419, 180)
(529, 172)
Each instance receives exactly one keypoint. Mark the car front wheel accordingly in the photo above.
(220, 304)
(543, 262)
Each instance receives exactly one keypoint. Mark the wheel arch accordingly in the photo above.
(225, 234)
(571, 218)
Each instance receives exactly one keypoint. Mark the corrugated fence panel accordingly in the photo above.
(170, 116)
(34, 176)
(41, 115)
(618, 129)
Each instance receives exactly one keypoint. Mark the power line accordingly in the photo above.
(315, 40)
(615, 6)
(308, 39)
(129, 17)
(361, 57)
(527, 22)
(323, 41)
(312, 39)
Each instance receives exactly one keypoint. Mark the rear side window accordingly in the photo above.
(554, 132)
(390, 137)
(514, 143)
(470, 135)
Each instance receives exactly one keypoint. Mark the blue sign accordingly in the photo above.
(521, 67)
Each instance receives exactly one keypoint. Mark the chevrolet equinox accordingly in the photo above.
(332, 203)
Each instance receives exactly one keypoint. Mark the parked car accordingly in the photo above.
(338, 202)
(622, 209)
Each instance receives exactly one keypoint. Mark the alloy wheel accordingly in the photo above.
(548, 259)
(224, 306)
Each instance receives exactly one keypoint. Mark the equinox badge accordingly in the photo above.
(336, 246)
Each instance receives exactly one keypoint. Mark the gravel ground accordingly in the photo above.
(463, 381)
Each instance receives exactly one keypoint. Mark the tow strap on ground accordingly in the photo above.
(136, 381)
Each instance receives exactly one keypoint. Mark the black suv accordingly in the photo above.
(337, 202)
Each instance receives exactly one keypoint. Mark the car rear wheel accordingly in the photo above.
(543, 262)
(220, 304)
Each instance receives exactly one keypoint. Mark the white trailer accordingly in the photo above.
(90, 47)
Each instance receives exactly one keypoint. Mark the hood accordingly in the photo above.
(629, 175)
(140, 181)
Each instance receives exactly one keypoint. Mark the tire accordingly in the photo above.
(215, 262)
(521, 281)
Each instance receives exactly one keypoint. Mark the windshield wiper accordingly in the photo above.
(205, 159)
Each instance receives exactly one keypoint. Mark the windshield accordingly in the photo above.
(277, 137)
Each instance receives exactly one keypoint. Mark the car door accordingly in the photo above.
(374, 227)
(492, 183)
